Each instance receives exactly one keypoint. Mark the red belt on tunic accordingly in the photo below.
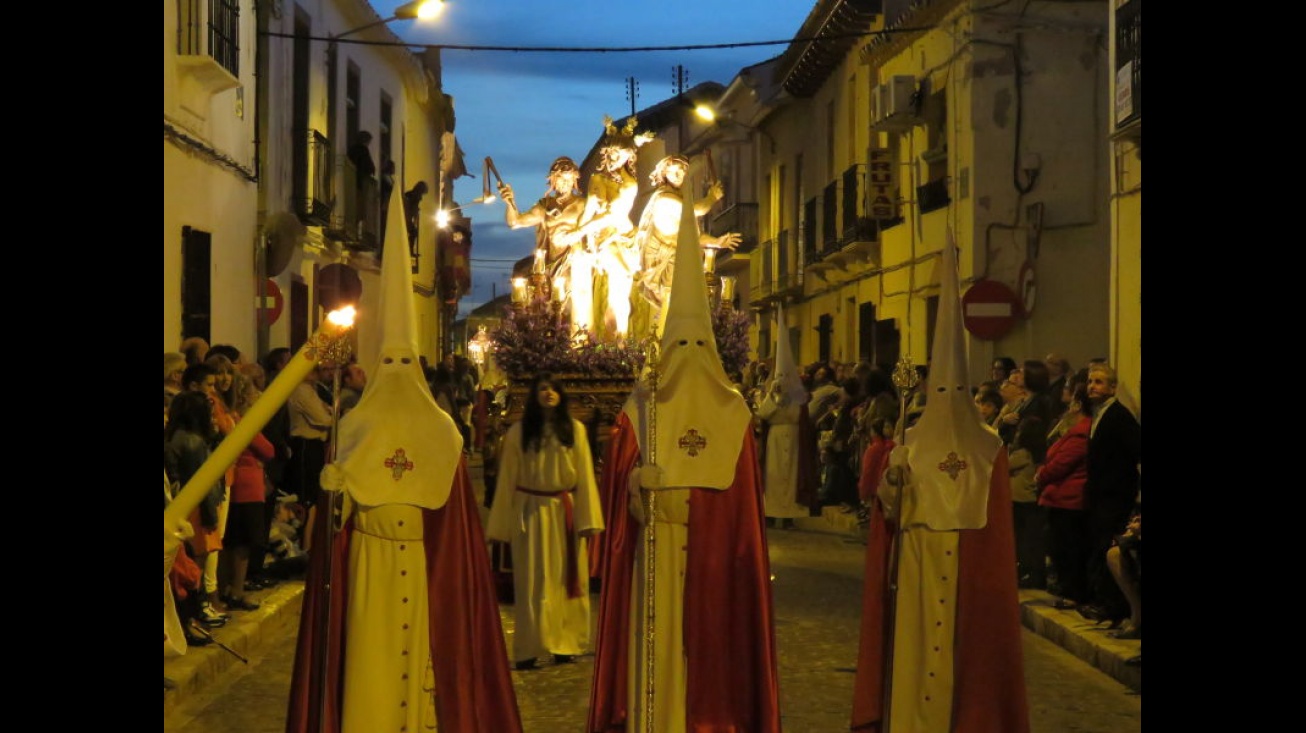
(573, 564)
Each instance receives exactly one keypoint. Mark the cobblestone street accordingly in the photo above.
(817, 597)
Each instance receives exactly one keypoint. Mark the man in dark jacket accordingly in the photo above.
(1111, 491)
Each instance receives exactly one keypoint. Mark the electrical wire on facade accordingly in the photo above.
(190, 144)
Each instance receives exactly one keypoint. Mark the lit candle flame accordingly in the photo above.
(342, 317)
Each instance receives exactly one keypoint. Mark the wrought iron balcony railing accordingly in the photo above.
(312, 178)
(740, 218)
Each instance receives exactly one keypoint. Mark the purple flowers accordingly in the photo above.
(532, 340)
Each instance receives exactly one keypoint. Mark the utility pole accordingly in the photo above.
(682, 77)
(678, 84)
(632, 93)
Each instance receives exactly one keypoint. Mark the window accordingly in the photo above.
(829, 138)
(210, 28)
(196, 282)
(824, 328)
(934, 110)
(353, 102)
(386, 136)
(851, 137)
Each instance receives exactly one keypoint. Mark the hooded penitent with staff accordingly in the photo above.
(400, 624)
(686, 639)
(940, 635)
(792, 476)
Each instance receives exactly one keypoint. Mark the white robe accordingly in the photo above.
(546, 620)
(671, 531)
(924, 631)
(389, 683)
(780, 477)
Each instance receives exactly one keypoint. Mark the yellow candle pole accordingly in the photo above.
(328, 337)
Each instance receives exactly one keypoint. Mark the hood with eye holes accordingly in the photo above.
(951, 451)
(695, 427)
(396, 446)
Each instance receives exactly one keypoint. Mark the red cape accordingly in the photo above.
(729, 633)
(989, 687)
(474, 692)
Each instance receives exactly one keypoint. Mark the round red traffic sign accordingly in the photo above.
(989, 309)
(271, 303)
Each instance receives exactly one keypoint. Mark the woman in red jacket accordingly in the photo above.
(247, 527)
(1060, 482)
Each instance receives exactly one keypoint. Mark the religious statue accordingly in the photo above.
(554, 215)
(605, 226)
(655, 238)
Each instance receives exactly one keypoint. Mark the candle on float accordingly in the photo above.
(539, 261)
(560, 288)
(337, 324)
(709, 259)
(728, 289)
(519, 290)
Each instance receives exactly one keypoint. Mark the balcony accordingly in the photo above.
(788, 275)
(356, 220)
(845, 237)
(313, 162)
(779, 275)
(208, 53)
(740, 218)
(764, 284)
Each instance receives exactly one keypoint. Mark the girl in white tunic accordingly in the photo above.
(546, 504)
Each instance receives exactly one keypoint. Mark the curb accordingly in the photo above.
(1088, 640)
(245, 632)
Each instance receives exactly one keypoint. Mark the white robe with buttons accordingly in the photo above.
(389, 683)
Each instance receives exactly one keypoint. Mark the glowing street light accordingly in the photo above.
(707, 114)
(419, 9)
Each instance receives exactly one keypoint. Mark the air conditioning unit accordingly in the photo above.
(893, 107)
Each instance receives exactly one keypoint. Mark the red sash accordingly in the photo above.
(573, 565)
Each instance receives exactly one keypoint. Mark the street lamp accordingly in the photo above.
(442, 216)
(421, 9)
(707, 114)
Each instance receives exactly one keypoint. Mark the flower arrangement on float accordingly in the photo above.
(531, 340)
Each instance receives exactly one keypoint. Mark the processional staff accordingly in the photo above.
(650, 542)
(905, 379)
(331, 522)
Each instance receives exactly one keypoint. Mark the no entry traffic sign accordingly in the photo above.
(989, 309)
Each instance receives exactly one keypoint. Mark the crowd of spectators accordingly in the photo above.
(1074, 459)
(247, 530)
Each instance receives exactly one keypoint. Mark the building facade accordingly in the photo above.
(210, 172)
(327, 71)
(945, 122)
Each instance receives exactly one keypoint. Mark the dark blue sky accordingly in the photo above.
(524, 109)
